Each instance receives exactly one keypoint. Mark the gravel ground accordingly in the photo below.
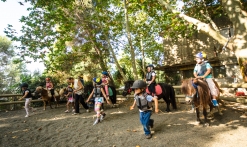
(121, 128)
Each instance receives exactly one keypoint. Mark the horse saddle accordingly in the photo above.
(158, 90)
(110, 91)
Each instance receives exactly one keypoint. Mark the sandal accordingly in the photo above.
(66, 111)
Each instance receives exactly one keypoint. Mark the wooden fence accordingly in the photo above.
(180, 98)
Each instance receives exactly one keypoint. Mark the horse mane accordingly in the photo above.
(203, 91)
(187, 87)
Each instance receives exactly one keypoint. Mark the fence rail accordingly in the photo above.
(180, 98)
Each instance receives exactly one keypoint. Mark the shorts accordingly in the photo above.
(71, 99)
(99, 100)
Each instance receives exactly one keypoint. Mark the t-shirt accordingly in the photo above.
(201, 69)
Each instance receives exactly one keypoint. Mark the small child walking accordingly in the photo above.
(26, 94)
(98, 93)
(144, 103)
(70, 99)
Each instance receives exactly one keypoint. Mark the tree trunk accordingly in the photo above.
(132, 51)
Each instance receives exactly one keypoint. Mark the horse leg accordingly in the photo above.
(198, 115)
(44, 104)
(219, 111)
(167, 105)
(49, 101)
(211, 113)
(222, 102)
(205, 117)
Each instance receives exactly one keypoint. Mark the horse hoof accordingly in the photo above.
(206, 125)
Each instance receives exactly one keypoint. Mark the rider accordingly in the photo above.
(150, 79)
(49, 86)
(98, 93)
(105, 82)
(204, 70)
(26, 94)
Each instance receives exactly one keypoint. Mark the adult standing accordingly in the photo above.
(78, 91)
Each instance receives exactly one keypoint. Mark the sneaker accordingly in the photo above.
(148, 136)
(75, 113)
(151, 123)
(27, 115)
(67, 111)
(73, 110)
(215, 103)
(102, 116)
(87, 111)
(96, 121)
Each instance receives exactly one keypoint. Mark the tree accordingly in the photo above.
(236, 12)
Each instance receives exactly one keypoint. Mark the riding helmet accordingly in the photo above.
(139, 84)
(150, 65)
(98, 81)
(201, 55)
(105, 73)
(24, 85)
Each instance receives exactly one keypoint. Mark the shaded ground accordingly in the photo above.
(121, 128)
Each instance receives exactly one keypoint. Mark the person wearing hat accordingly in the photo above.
(204, 70)
(98, 93)
(150, 79)
(105, 82)
(144, 103)
(49, 86)
(26, 94)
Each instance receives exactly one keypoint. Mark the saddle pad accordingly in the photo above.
(110, 91)
(158, 90)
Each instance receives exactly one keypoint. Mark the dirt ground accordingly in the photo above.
(121, 128)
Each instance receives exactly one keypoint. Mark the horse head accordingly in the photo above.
(38, 89)
(127, 90)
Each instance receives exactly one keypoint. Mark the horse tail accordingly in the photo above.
(172, 97)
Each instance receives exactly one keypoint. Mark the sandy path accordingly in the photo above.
(121, 128)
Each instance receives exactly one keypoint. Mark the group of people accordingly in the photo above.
(143, 100)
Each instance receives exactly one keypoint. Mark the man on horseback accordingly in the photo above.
(204, 70)
(150, 79)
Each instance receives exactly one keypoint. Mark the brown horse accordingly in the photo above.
(46, 96)
(199, 91)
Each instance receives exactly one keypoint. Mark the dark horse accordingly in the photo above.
(88, 89)
(168, 93)
(199, 91)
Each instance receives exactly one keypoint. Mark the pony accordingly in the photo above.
(113, 94)
(46, 96)
(200, 95)
(167, 93)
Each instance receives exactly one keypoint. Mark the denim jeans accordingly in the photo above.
(145, 118)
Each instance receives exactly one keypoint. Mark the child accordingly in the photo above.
(144, 103)
(204, 70)
(26, 94)
(70, 98)
(49, 86)
(150, 79)
(105, 82)
(98, 93)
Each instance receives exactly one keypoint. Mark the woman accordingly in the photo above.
(78, 91)
(49, 86)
